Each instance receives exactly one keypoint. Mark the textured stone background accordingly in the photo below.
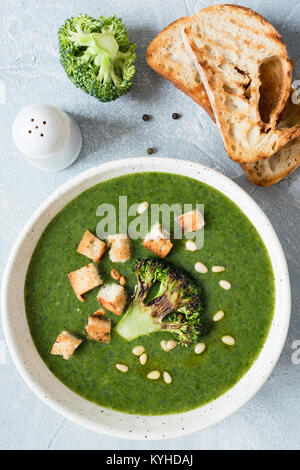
(30, 72)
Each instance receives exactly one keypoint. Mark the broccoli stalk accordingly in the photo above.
(97, 56)
(176, 306)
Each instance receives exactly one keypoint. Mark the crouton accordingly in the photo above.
(65, 345)
(91, 247)
(115, 275)
(84, 280)
(190, 221)
(158, 241)
(120, 248)
(98, 328)
(113, 297)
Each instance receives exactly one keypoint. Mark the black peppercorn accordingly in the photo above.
(176, 116)
(150, 150)
(146, 117)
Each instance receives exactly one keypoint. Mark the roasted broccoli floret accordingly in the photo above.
(165, 299)
(97, 55)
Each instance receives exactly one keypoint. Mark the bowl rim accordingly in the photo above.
(151, 427)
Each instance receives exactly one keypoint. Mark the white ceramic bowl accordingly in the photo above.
(48, 388)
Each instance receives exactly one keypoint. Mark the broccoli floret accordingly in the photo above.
(97, 55)
(165, 299)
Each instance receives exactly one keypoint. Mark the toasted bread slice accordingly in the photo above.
(282, 163)
(166, 55)
(236, 51)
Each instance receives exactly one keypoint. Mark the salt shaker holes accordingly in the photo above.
(48, 146)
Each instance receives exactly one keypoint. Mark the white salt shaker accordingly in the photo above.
(48, 137)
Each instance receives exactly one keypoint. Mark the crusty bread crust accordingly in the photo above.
(285, 161)
(167, 56)
(229, 44)
(276, 168)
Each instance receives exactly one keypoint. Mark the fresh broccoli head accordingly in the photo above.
(165, 299)
(97, 55)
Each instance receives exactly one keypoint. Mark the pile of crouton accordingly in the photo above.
(112, 296)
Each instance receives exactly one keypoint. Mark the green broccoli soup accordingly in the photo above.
(221, 352)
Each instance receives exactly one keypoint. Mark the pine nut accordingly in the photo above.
(200, 348)
(143, 359)
(164, 345)
(225, 284)
(167, 378)
(218, 316)
(171, 345)
(142, 207)
(122, 281)
(229, 340)
(218, 269)
(138, 350)
(154, 375)
(99, 312)
(190, 245)
(122, 368)
(201, 268)
(114, 274)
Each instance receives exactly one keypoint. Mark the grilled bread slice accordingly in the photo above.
(166, 55)
(236, 51)
(282, 163)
